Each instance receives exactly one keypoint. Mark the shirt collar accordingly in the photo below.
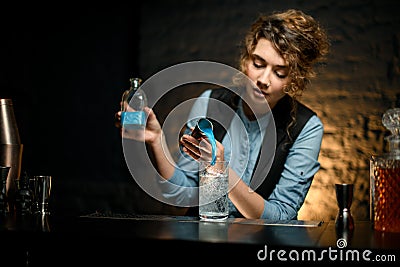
(262, 121)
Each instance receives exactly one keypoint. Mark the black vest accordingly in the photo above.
(281, 115)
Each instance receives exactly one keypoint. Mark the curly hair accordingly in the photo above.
(298, 38)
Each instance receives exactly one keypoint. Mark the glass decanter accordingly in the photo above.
(385, 179)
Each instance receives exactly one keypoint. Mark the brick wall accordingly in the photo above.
(359, 83)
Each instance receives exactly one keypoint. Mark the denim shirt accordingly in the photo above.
(242, 147)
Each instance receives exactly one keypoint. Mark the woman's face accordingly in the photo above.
(269, 72)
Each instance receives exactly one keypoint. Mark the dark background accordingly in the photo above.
(65, 67)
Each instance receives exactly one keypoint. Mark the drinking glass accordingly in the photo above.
(213, 191)
(41, 187)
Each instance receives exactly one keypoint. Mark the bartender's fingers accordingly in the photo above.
(190, 153)
(117, 121)
(205, 149)
(190, 145)
(195, 148)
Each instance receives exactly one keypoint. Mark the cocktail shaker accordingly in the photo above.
(10, 148)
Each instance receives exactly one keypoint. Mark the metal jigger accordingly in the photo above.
(203, 123)
(344, 222)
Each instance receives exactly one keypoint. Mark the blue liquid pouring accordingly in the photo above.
(205, 126)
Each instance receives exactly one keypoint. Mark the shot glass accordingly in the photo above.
(213, 191)
(41, 188)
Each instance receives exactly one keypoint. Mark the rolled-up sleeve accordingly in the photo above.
(299, 170)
